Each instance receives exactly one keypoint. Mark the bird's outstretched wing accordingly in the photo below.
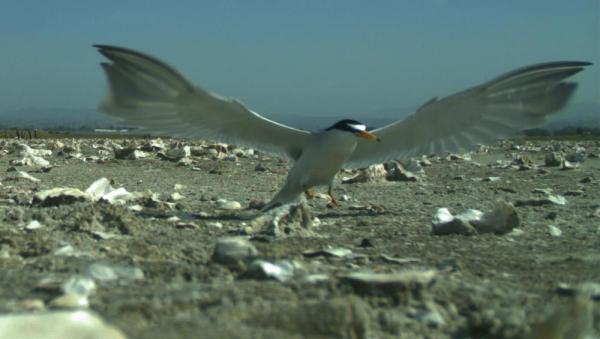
(498, 108)
(148, 93)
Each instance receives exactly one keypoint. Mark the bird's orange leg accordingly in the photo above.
(332, 201)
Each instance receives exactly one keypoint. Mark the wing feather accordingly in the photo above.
(495, 109)
(148, 93)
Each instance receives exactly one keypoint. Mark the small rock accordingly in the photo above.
(502, 219)
(234, 251)
(553, 159)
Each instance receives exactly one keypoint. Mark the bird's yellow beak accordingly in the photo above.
(367, 135)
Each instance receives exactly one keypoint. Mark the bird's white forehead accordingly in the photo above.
(358, 127)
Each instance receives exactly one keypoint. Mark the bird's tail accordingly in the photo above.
(288, 194)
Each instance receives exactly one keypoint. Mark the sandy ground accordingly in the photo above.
(167, 283)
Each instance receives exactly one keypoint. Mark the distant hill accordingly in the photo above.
(575, 115)
(55, 118)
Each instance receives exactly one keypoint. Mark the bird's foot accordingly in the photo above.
(310, 194)
(332, 202)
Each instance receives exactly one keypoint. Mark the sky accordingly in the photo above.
(313, 58)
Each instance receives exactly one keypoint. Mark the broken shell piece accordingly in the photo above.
(406, 283)
(281, 271)
(567, 165)
(550, 199)
(106, 272)
(31, 160)
(102, 190)
(502, 219)
(21, 175)
(397, 172)
(228, 204)
(60, 196)
(371, 173)
(399, 261)
(25, 150)
(328, 252)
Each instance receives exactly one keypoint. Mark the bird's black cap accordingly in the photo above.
(347, 125)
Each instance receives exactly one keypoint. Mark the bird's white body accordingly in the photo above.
(148, 93)
(322, 157)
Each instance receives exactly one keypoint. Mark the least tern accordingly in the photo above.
(148, 93)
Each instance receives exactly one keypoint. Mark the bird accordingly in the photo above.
(146, 92)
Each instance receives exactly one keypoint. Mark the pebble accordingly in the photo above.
(56, 325)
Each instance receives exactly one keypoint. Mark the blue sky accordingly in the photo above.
(294, 57)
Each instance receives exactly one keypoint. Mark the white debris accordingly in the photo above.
(502, 219)
(228, 204)
(56, 325)
(107, 272)
(70, 300)
(554, 231)
(21, 175)
(33, 225)
(282, 271)
(176, 196)
(59, 196)
(371, 173)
